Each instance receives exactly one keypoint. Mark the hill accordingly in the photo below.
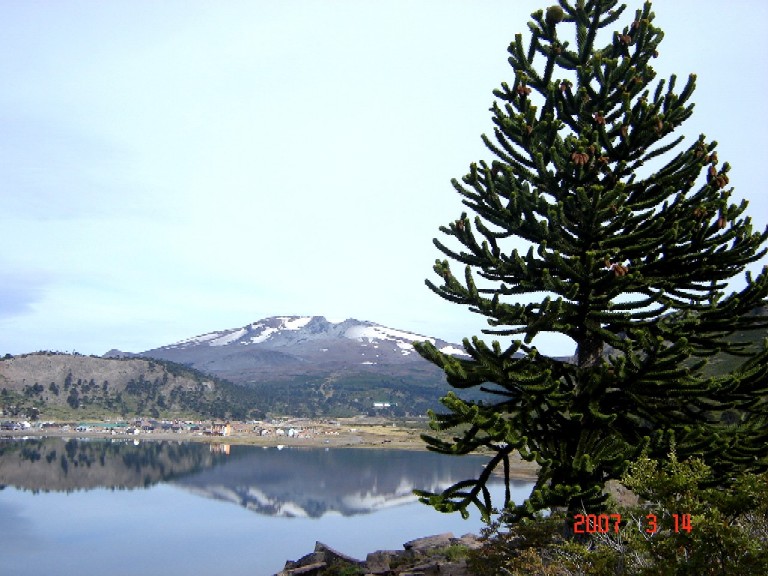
(74, 386)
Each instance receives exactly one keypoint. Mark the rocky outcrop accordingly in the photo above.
(440, 555)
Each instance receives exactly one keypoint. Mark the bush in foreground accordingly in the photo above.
(727, 533)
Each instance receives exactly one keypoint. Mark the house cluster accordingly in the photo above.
(277, 429)
(13, 425)
(135, 427)
(282, 432)
(149, 426)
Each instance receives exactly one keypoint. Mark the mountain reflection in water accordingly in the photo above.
(294, 482)
(63, 465)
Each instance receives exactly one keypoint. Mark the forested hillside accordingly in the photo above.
(55, 385)
(47, 384)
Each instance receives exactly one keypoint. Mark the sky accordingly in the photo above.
(173, 168)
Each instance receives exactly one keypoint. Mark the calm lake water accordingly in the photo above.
(76, 507)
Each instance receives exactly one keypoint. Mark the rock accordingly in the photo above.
(429, 542)
(307, 560)
(323, 557)
(381, 562)
(454, 569)
(307, 570)
(471, 541)
(419, 557)
(437, 569)
(430, 569)
(621, 493)
(331, 556)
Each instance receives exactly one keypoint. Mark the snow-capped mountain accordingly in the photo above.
(295, 483)
(284, 331)
(323, 357)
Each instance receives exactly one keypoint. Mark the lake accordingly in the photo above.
(90, 507)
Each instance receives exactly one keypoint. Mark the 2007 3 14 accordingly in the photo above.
(604, 523)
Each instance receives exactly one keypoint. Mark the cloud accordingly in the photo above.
(20, 291)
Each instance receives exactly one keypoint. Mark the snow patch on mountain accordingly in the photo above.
(292, 510)
(262, 337)
(287, 332)
(196, 339)
(370, 501)
(267, 328)
(452, 350)
(295, 323)
(227, 338)
(361, 332)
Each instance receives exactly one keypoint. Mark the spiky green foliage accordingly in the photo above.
(683, 529)
(630, 240)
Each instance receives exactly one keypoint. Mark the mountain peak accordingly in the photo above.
(279, 331)
(273, 347)
(301, 361)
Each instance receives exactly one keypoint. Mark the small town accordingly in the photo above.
(360, 431)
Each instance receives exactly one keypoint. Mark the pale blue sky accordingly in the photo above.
(172, 168)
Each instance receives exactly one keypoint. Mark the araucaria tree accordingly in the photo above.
(594, 221)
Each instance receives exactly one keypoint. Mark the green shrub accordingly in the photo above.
(342, 570)
(453, 552)
(729, 525)
(728, 533)
(517, 549)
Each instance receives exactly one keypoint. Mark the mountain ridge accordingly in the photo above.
(281, 331)
(309, 365)
(280, 365)
(281, 347)
(288, 365)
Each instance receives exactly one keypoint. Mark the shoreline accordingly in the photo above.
(376, 438)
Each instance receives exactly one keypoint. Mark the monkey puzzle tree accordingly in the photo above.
(630, 240)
